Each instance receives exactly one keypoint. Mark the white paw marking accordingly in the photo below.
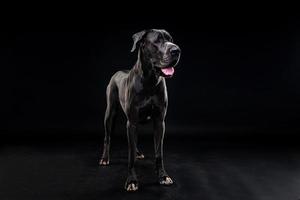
(140, 156)
(131, 187)
(103, 162)
(167, 181)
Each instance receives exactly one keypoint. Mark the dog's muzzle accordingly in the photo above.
(173, 58)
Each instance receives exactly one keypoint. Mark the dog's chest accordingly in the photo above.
(145, 109)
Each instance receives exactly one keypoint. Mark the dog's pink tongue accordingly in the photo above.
(168, 71)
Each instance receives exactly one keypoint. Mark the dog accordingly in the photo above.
(142, 94)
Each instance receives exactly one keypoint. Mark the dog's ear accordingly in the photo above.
(137, 37)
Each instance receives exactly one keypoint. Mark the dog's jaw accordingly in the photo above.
(166, 69)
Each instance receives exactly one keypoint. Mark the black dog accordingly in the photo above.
(142, 94)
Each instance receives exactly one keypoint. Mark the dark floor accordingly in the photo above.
(207, 168)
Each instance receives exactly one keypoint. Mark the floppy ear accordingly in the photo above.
(136, 39)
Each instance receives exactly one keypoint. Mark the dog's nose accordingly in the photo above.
(174, 51)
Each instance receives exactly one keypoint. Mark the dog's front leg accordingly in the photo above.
(131, 182)
(159, 131)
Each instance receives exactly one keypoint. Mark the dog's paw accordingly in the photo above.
(104, 162)
(165, 180)
(131, 186)
(140, 156)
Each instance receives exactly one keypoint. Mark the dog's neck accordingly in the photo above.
(145, 69)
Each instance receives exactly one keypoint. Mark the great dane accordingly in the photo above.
(142, 94)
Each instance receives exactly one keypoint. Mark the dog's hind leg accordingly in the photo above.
(109, 119)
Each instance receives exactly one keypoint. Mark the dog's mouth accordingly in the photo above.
(166, 68)
(167, 71)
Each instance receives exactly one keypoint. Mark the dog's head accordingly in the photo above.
(158, 48)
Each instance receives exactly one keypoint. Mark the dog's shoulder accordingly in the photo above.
(122, 73)
(119, 77)
(126, 71)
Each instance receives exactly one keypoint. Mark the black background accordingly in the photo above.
(232, 123)
(238, 73)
